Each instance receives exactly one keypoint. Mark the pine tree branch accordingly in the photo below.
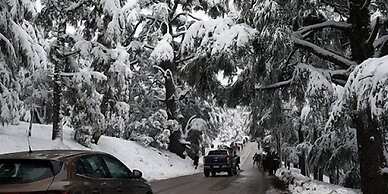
(75, 6)
(323, 53)
(9, 45)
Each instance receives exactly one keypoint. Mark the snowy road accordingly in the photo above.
(249, 181)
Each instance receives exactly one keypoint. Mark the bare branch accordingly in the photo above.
(323, 53)
(328, 24)
(134, 30)
(185, 59)
(339, 82)
(366, 4)
(68, 54)
(276, 85)
(375, 30)
(131, 63)
(287, 60)
(381, 41)
(187, 14)
(161, 70)
(149, 47)
(179, 34)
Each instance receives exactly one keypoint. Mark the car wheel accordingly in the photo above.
(207, 173)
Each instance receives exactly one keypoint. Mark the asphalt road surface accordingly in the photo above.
(249, 181)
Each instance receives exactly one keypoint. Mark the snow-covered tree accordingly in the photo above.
(23, 61)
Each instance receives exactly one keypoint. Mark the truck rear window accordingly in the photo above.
(25, 171)
(218, 152)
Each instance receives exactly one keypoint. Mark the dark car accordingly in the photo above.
(221, 160)
(68, 172)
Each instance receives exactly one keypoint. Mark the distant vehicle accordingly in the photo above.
(68, 172)
(221, 160)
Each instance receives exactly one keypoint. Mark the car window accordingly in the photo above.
(116, 168)
(24, 171)
(91, 166)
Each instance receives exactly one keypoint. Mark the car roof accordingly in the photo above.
(48, 154)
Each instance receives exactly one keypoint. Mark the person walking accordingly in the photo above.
(196, 161)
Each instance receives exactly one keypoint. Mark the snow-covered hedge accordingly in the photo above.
(298, 183)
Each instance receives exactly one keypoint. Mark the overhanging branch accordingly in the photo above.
(328, 24)
(323, 53)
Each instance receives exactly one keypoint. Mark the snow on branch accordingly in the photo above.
(323, 53)
(75, 6)
(328, 24)
(367, 87)
(163, 51)
(216, 37)
(9, 45)
(380, 42)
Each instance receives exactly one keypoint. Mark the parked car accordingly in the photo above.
(68, 172)
(221, 160)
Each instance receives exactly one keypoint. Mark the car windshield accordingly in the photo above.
(24, 171)
(218, 152)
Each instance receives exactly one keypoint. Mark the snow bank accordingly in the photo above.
(154, 164)
(304, 185)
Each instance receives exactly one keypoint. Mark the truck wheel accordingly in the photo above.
(207, 173)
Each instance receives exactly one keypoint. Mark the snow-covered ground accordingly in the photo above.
(303, 185)
(154, 164)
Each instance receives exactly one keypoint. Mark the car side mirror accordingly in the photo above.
(136, 174)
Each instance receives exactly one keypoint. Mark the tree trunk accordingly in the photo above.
(370, 151)
(360, 20)
(170, 96)
(302, 156)
(316, 173)
(58, 58)
(320, 174)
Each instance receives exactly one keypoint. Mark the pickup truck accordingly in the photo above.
(221, 160)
